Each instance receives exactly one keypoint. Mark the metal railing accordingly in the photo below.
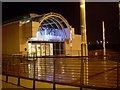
(55, 52)
(81, 72)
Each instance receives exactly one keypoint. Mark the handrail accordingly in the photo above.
(65, 70)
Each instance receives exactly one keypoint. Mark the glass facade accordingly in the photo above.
(50, 34)
(40, 49)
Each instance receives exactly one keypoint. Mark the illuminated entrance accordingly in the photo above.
(41, 48)
(51, 35)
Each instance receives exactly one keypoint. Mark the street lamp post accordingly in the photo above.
(104, 48)
(84, 46)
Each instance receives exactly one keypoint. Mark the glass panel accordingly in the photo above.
(51, 48)
(43, 49)
(38, 49)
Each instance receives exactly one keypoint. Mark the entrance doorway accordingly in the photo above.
(45, 48)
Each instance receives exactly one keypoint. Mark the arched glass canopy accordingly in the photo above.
(53, 27)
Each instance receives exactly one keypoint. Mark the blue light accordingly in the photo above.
(51, 34)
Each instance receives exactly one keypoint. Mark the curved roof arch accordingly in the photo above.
(56, 18)
(53, 26)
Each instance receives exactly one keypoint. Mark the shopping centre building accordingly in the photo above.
(42, 35)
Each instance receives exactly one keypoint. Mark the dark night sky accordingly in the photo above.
(95, 14)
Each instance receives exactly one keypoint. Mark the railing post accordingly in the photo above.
(6, 78)
(18, 81)
(81, 73)
(45, 59)
(34, 75)
(21, 58)
(118, 74)
(54, 74)
(18, 74)
(7, 73)
(80, 88)
(78, 53)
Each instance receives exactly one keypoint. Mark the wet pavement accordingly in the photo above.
(7, 86)
(72, 71)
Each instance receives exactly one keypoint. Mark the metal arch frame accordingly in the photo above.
(54, 21)
(49, 23)
(41, 26)
(45, 16)
(46, 25)
(59, 24)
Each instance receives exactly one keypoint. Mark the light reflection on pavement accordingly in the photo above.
(68, 71)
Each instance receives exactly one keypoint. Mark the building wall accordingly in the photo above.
(16, 35)
(35, 26)
(10, 38)
(67, 48)
(73, 48)
(76, 45)
(25, 32)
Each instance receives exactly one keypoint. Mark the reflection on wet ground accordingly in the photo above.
(72, 71)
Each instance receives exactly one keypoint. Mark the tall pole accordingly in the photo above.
(104, 53)
(104, 48)
(84, 47)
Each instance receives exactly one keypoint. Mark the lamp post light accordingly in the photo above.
(104, 48)
(84, 46)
